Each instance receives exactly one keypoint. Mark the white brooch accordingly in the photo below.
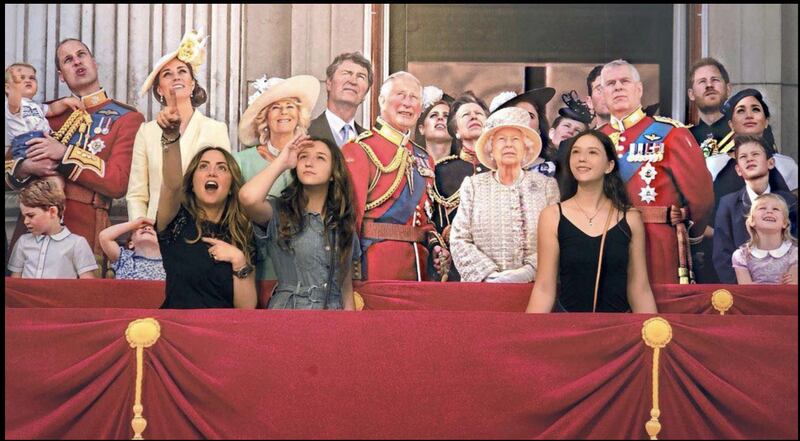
(500, 99)
(96, 146)
(648, 173)
(648, 194)
(430, 95)
(261, 85)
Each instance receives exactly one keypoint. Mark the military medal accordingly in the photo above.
(428, 208)
(423, 168)
(648, 194)
(96, 146)
(99, 129)
(648, 173)
(107, 126)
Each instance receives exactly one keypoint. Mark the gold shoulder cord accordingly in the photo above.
(399, 163)
(64, 134)
(450, 202)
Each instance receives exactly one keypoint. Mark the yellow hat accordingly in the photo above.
(192, 50)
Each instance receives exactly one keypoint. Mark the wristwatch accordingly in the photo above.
(244, 271)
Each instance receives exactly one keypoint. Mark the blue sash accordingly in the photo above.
(626, 168)
(400, 211)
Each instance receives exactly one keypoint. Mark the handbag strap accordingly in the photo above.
(600, 257)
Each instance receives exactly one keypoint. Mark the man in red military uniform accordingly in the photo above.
(392, 179)
(665, 173)
(91, 148)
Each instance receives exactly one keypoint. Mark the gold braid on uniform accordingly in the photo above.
(402, 159)
(64, 134)
(449, 202)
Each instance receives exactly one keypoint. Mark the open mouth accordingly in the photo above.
(405, 114)
(284, 121)
(440, 127)
(80, 71)
(769, 219)
(583, 169)
(178, 86)
(211, 186)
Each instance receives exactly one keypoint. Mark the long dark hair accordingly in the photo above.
(613, 187)
(338, 216)
(234, 220)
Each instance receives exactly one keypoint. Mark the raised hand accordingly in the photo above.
(140, 222)
(168, 118)
(288, 156)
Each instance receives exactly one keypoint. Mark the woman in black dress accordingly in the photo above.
(594, 204)
(204, 235)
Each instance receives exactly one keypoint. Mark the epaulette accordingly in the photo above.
(420, 149)
(125, 106)
(364, 135)
(666, 120)
(445, 159)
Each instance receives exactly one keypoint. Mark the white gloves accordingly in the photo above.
(523, 274)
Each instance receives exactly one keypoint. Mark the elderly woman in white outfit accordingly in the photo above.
(172, 76)
(493, 237)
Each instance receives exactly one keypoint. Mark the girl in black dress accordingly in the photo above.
(594, 202)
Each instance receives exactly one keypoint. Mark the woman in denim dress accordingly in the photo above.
(308, 231)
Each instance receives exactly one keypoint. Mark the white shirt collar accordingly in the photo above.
(776, 253)
(337, 123)
(58, 236)
(753, 194)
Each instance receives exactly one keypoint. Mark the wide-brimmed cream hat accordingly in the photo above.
(303, 87)
(508, 117)
(191, 50)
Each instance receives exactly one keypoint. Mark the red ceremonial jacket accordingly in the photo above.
(680, 178)
(374, 202)
(96, 168)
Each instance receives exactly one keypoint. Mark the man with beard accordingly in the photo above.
(596, 102)
(709, 87)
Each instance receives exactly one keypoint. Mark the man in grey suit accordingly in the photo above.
(349, 77)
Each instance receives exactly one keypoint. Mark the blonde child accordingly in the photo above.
(770, 257)
(25, 118)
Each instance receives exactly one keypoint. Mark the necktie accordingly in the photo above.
(345, 134)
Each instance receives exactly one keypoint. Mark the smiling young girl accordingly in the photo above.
(771, 254)
(594, 221)
(308, 231)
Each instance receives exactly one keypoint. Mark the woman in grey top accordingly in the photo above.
(309, 230)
